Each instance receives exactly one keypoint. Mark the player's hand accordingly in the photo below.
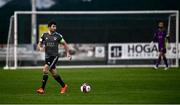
(69, 56)
(41, 49)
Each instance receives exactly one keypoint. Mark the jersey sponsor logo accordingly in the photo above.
(48, 62)
(55, 38)
(46, 38)
(50, 44)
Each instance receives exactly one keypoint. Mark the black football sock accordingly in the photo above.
(59, 80)
(158, 61)
(165, 61)
(45, 78)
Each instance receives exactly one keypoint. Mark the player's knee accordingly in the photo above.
(161, 54)
(53, 72)
(45, 69)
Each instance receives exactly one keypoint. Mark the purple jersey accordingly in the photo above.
(160, 38)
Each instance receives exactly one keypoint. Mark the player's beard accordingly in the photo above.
(53, 30)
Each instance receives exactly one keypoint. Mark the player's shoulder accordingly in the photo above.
(44, 34)
(156, 30)
(58, 34)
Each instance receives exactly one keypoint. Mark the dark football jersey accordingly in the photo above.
(51, 43)
(160, 37)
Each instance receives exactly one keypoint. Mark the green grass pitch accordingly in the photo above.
(109, 85)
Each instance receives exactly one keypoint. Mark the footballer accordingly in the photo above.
(51, 40)
(161, 37)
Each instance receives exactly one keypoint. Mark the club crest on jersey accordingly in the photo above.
(55, 38)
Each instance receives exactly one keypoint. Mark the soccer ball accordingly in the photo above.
(85, 88)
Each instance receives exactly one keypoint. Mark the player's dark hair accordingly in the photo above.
(162, 21)
(50, 23)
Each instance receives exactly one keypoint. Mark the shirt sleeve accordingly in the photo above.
(155, 37)
(61, 39)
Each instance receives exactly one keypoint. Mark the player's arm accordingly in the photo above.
(154, 37)
(66, 47)
(153, 40)
(40, 44)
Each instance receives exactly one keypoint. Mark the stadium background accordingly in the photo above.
(76, 5)
(109, 85)
(82, 5)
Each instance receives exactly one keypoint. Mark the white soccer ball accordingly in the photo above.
(85, 88)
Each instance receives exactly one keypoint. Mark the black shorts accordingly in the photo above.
(51, 61)
(162, 50)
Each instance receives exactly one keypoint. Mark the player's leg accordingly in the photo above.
(59, 80)
(44, 79)
(45, 76)
(165, 59)
(54, 71)
(158, 61)
(57, 77)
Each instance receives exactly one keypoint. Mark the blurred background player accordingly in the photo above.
(51, 41)
(161, 37)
